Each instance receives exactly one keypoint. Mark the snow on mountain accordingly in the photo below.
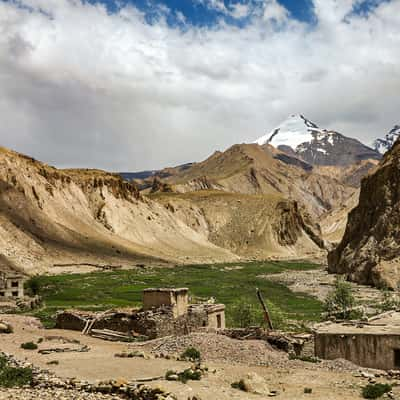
(292, 132)
(302, 138)
(385, 144)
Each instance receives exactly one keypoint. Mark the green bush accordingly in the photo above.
(29, 346)
(390, 301)
(373, 391)
(191, 354)
(307, 390)
(34, 285)
(189, 375)
(10, 376)
(245, 314)
(239, 385)
(186, 375)
(340, 300)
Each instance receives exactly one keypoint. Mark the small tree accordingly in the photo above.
(245, 314)
(340, 300)
(34, 285)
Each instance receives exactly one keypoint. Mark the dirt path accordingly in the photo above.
(288, 379)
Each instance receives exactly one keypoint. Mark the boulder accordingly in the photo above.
(256, 384)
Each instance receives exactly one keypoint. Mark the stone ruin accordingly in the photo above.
(165, 312)
(11, 286)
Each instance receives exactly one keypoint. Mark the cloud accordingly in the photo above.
(81, 86)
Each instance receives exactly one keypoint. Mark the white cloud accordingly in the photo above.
(87, 88)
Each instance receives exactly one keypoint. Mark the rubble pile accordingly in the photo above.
(46, 385)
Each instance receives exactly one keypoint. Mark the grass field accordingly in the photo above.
(227, 283)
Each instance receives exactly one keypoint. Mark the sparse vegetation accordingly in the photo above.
(53, 362)
(29, 346)
(340, 300)
(191, 354)
(390, 301)
(307, 390)
(310, 359)
(239, 385)
(229, 286)
(374, 391)
(10, 376)
(184, 376)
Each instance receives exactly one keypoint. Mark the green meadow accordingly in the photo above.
(227, 283)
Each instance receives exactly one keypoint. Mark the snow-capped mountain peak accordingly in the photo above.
(292, 132)
(305, 140)
(385, 144)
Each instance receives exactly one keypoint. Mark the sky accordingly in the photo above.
(127, 85)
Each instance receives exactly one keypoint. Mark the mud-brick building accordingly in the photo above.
(372, 344)
(11, 286)
(165, 312)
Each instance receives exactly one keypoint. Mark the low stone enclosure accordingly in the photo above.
(165, 312)
(372, 344)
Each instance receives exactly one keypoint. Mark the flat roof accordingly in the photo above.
(383, 324)
(169, 290)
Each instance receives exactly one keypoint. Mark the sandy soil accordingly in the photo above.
(101, 364)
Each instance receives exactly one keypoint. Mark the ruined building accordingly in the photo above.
(372, 344)
(165, 312)
(11, 286)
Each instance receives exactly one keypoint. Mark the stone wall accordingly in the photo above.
(381, 351)
(153, 324)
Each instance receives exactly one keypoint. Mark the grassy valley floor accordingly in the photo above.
(227, 283)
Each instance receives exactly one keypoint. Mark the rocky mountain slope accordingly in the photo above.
(370, 249)
(52, 218)
(254, 169)
(382, 145)
(302, 138)
(254, 226)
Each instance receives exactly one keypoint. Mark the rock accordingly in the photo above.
(5, 328)
(254, 383)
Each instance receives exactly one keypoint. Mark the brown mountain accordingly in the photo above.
(370, 249)
(51, 218)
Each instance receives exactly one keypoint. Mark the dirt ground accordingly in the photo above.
(319, 283)
(288, 378)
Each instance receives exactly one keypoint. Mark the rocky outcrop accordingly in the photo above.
(369, 252)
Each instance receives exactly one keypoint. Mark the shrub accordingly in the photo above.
(53, 362)
(245, 314)
(307, 390)
(186, 375)
(340, 300)
(29, 346)
(10, 376)
(373, 391)
(239, 385)
(189, 375)
(191, 354)
(34, 285)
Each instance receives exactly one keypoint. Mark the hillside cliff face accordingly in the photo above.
(52, 217)
(369, 252)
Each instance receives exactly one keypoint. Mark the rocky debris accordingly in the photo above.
(133, 354)
(369, 252)
(44, 381)
(80, 349)
(214, 347)
(50, 394)
(5, 327)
